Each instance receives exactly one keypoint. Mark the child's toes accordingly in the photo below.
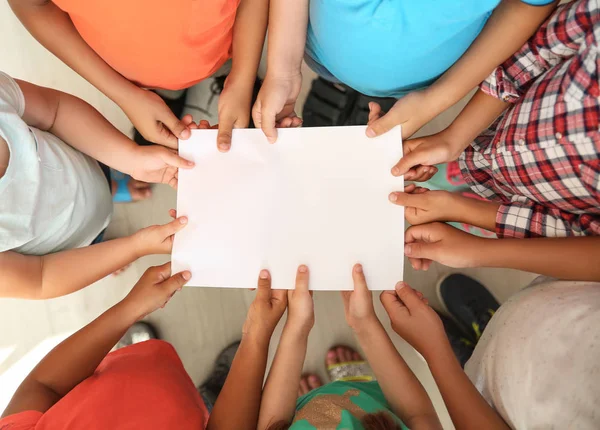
(314, 382)
(303, 386)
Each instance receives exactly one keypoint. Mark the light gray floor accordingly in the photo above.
(198, 322)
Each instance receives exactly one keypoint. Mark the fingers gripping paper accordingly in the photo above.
(319, 196)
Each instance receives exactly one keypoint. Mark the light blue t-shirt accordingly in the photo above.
(386, 48)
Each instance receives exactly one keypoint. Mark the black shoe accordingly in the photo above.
(176, 106)
(213, 385)
(461, 344)
(139, 332)
(468, 302)
(328, 104)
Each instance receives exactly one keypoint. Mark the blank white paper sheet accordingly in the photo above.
(318, 196)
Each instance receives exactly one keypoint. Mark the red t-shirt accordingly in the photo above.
(143, 386)
(170, 44)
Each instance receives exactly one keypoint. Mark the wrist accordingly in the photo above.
(366, 326)
(136, 244)
(260, 338)
(297, 332)
(127, 312)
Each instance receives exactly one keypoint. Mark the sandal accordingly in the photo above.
(355, 370)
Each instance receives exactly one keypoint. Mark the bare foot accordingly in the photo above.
(139, 190)
(341, 354)
(309, 382)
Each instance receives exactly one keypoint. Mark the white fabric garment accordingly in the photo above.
(538, 361)
(52, 197)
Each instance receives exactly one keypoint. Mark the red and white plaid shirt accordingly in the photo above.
(540, 159)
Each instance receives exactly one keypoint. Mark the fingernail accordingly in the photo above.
(370, 105)
(302, 269)
(393, 197)
(183, 220)
(395, 171)
(186, 275)
(264, 274)
(400, 285)
(271, 139)
(191, 163)
(224, 146)
(358, 268)
(407, 249)
(179, 289)
(370, 132)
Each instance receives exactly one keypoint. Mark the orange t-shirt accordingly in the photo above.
(143, 386)
(170, 44)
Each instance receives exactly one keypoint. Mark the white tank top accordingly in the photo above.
(52, 197)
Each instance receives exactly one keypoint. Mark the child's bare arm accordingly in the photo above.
(510, 25)
(84, 128)
(54, 29)
(76, 358)
(572, 258)
(238, 404)
(288, 22)
(248, 39)
(62, 273)
(419, 325)
(281, 389)
(403, 391)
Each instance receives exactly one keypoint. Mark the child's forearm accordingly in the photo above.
(572, 258)
(467, 408)
(62, 273)
(54, 30)
(248, 39)
(72, 361)
(85, 129)
(477, 115)
(510, 25)
(288, 22)
(281, 389)
(238, 404)
(401, 388)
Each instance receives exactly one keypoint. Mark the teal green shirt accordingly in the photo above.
(340, 405)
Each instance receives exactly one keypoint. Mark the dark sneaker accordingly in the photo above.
(213, 385)
(332, 104)
(468, 302)
(139, 332)
(176, 106)
(328, 104)
(460, 342)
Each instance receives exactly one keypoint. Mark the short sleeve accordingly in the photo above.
(537, 2)
(11, 96)
(26, 420)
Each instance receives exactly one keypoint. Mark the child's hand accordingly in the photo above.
(153, 118)
(275, 104)
(423, 206)
(158, 239)
(413, 319)
(412, 111)
(420, 155)
(358, 304)
(234, 110)
(154, 289)
(444, 244)
(265, 311)
(157, 164)
(301, 313)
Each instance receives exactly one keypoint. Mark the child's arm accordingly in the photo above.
(281, 389)
(403, 391)
(276, 100)
(420, 326)
(238, 404)
(510, 25)
(76, 358)
(248, 39)
(85, 129)
(572, 258)
(54, 29)
(62, 273)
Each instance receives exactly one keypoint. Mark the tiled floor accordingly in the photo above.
(199, 322)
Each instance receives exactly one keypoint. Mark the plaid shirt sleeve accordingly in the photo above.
(556, 40)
